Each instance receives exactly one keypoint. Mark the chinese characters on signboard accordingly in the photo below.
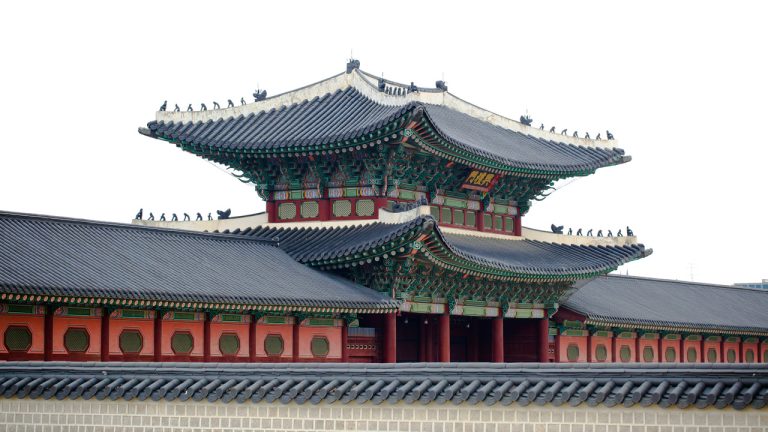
(480, 181)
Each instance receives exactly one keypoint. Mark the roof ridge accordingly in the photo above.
(4, 214)
(711, 285)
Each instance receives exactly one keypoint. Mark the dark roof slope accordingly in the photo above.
(347, 114)
(67, 257)
(523, 257)
(664, 385)
(667, 303)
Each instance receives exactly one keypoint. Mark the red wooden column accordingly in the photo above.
(105, 334)
(48, 333)
(390, 338)
(296, 324)
(206, 337)
(445, 336)
(498, 338)
(544, 339)
(252, 338)
(158, 334)
(518, 224)
(344, 340)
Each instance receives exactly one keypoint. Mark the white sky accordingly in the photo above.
(681, 85)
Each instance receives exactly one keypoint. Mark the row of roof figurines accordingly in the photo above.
(559, 230)
(260, 95)
(222, 214)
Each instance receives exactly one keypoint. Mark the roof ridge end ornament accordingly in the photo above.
(352, 64)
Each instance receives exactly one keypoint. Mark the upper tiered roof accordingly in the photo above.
(349, 112)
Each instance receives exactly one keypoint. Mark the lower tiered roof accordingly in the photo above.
(669, 305)
(45, 258)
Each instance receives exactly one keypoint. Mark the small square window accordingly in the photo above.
(497, 220)
(487, 221)
(458, 217)
(471, 219)
(509, 224)
(445, 215)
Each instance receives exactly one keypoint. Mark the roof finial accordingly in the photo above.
(260, 95)
(352, 64)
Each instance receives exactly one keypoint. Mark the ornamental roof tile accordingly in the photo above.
(523, 257)
(671, 304)
(663, 385)
(43, 255)
(346, 107)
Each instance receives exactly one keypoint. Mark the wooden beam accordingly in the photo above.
(445, 336)
(498, 339)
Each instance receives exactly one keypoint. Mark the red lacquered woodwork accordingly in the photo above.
(648, 343)
(285, 331)
(671, 344)
(750, 345)
(692, 344)
(219, 327)
(733, 349)
(562, 344)
(34, 322)
(171, 325)
(595, 342)
(623, 344)
(63, 321)
(118, 323)
(712, 344)
(307, 333)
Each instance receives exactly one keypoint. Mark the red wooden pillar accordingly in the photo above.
(344, 339)
(159, 335)
(324, 208)
(48, 333)
(296, 325)
(429, 329)
(105, 334)
(445, 336)
(518, 224)
(252, 338)
(544, 340)
(271, 211)
(206, 337)
(498, 339)
(390, 338)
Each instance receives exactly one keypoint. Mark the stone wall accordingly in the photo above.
(145, 416)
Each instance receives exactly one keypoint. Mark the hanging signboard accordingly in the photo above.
(480, 181)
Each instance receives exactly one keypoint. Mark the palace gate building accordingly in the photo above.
(393, 233)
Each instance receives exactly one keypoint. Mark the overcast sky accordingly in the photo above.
(681, 85)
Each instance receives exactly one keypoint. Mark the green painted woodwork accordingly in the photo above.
(672, 336)
(320, 322)
(693, 338)
(474, 310)
(497, 223)
(751, 340)
(76, 340)
(406, 194)
(273, 345)
(712, 355)
(765, 356)
(572, 353)
(670, 355)
(730, 356)
(76, 311)
(434, 211)
(573, 324)
(183, 316)
(648, 355)
(509, 224)
(602, 333)
(691, 356)
(625, 354)
(601, 353)
(421, 308)
(487, 221)
(574, 332)
(130, 341)
(474, 303)
(182, 343)
(231, 318)
(319, 346)
(734, 339)
(286, 211)
(342, 208)
(445, 215)
(21, 309)
(713, 338)
(458, 217)
(275, 320)
(310, 209)
(452, 202)
(626, 335)
(422, 299)
(17, 338)
(471, 219)
(749, 356)
(133, 313)
(523, 313)
(229, 344)
(364, 207)
(652, 336)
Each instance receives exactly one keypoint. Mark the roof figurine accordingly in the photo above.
(260, 95)
(441, 85)
(352, 64)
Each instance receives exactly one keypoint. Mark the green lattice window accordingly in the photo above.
(458, 217)
(497, 223)
(601, 353)
(434, 211)
(76, 340)
(749, 356)
(342, 208)
(509, 224)
(765, 356)
(131, 342)
(712, 355)
(310, 209)
(286, 211)
(572, 353)
(182, 343)
(273, 345)
(229, 344)
(487, 221)
(471, 222)
(648, 354)
(691, 355)
(17, 338)
(319, 346)
(364, 207)
(670, 356)
(730, 356)
(445, 215)
(625, 354)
